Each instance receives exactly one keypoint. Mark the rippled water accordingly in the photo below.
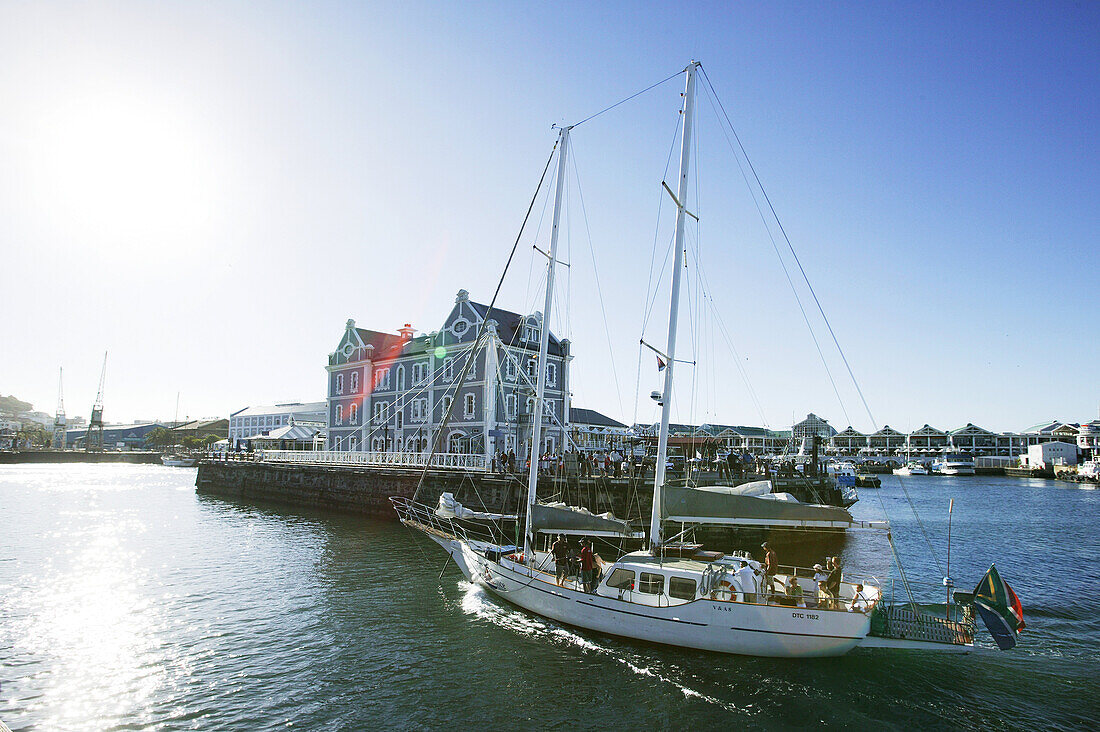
(128, 602)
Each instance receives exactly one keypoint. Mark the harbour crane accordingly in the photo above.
(59, 422)
(93, 438)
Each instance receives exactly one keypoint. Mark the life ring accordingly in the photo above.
(724, 591)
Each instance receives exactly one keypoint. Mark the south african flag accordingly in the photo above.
(1000, 608)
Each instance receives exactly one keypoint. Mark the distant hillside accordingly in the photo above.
(11, 404)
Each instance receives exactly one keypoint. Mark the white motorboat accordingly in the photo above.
(673, 592)
(954, 463)
(178, 461)
(911, 468)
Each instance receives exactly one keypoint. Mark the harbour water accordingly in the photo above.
(130, 602)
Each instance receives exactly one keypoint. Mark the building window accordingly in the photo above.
(532, 368)
(531, 333)
(353, 443)
(454, 442)
(510, 367)
(379, 412)
(401, 378)
(551, 444)
(354, 382)
(339, 383)
(446, 403)
(353, 413)
(400, 418)
(470, 406)
(510, 406)
(449, 369)
(548, 407)
(420, 371)
(339, 414)
(530, 405)
(551, 374)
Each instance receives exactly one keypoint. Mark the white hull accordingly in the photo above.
(950, 470)
(711, 625)
(178, 462)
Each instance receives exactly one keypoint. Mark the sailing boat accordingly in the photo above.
(673, 592)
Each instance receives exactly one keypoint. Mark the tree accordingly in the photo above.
(159, 437)
(210, 440)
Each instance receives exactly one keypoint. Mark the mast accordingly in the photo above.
(544, 343)
(674, 308)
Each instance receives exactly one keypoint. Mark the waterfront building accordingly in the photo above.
(303, 435)
(590, 431)
(886, 441)
(390, 391)
(810, 427)
(116, 436)
(201, 428)
(973, 440)
(848, 441)
(251, 421)
(1049, 454)
(1088, 438)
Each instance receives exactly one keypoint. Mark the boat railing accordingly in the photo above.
(442, 460)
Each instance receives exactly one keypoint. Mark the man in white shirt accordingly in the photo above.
(860, 603)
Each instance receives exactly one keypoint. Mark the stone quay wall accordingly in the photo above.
(368, 490)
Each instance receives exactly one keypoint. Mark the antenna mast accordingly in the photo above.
(60, 424)
(93, 439)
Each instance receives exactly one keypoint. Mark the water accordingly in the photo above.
(130, 603)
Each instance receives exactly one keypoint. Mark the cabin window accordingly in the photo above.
(681, 588)
(651, 584)
(621, 579)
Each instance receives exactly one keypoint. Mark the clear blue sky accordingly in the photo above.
(210, 190)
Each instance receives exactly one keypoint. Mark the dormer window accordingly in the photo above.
(531, 332)
(459, 327)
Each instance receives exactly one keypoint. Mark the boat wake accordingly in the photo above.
(478, 603)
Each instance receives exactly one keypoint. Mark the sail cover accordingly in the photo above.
(693, 505)
(450, 508)
(558, 517)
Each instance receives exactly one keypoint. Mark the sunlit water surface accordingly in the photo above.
(129, 602)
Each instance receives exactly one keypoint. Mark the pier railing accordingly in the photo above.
(444, 460)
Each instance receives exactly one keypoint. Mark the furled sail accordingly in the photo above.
(694, 505)
(558, 517)
(450, 508)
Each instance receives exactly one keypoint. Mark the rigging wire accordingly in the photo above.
(627, 99)
(712, 97)
(599, 288)
(483, 327)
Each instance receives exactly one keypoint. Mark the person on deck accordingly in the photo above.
(560, 550)
(825, 599)
(771, 566)
(794, 593)
(589, 563)
(860, 603)
(833, 583)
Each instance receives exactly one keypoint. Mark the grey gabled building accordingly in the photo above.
(388, 392)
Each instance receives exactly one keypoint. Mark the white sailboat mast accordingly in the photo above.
(674, 308)
(544, 344)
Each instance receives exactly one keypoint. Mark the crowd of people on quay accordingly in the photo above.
(575, 463)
